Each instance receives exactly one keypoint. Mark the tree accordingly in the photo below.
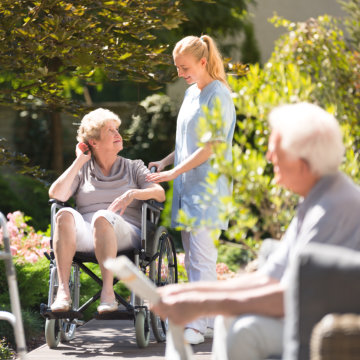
(221, 19)
(50, 46)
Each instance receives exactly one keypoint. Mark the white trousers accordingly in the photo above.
(248, 337)
(127, 235)
(200, 264)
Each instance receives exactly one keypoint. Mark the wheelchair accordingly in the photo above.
(156, 258)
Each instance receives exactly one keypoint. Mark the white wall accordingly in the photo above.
(294, 10)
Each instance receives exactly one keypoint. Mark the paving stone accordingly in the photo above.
(109, 339)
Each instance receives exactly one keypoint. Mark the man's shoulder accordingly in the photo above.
(335, 197)
(342, 190)
(338, 202)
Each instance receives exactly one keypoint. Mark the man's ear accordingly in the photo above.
(305, 166)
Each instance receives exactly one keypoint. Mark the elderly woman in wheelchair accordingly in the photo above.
(108, 190)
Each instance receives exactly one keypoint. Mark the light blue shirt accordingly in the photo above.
(329, 214)
(189, 187)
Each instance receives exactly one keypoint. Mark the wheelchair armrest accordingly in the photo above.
(58, 202)
(155, 204)
(55, 206)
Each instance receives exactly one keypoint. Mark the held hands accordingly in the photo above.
(122, 202)
(161, 176)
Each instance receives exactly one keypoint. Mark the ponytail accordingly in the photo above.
(200, 47)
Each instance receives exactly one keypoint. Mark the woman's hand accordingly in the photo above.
(162, 176)
(83, 150)
(122, 202)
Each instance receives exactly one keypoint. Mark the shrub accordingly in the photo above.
(27, 247)
(33, 325)
(6, 352)
(233, 255)
(152, 132)
(32, 284)
(223, 271)
(26, 244)
(22, 192)
(311, 62)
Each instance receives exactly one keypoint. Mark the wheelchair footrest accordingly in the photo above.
(121, 314)
(46, 312)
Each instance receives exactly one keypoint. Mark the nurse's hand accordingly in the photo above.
(158, 164)
(161, 176)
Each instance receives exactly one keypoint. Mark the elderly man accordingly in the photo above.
(306, 149)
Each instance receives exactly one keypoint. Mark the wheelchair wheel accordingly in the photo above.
(52, 332)
(163, 271)
(63, 330)
(142, 329)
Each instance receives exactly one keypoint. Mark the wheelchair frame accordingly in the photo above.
(14, 317)
(157, 253)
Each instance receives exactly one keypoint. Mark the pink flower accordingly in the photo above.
(45, 242)
(221, 268)
(32, 257)
(26, 244)
(180, 257)
(13, 250)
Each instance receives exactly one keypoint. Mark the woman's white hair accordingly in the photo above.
(92, 122)
(309, 132)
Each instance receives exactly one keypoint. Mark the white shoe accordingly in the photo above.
(106, 307)
(193, 337)
(209, 333)
(61, 305)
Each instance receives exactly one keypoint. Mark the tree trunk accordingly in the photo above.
(56, 131)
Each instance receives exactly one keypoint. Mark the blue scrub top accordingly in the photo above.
(190, 187)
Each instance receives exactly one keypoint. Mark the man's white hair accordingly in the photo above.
(311, 133)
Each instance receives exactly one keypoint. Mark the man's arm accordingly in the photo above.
(251, 293)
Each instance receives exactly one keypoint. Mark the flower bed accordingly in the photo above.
(27, 245)
(222, 270)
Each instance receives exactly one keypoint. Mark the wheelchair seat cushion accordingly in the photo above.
(83, 256)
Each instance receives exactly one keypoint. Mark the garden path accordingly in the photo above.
(109, 339)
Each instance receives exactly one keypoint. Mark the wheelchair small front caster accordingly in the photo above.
(142, 329)
(52, 332)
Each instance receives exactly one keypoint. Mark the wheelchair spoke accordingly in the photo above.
(163, 271)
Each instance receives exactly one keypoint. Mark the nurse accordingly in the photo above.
(199, 62)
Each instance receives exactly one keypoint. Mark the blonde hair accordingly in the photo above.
(92, 123)
(200, 47)
(311, 133)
